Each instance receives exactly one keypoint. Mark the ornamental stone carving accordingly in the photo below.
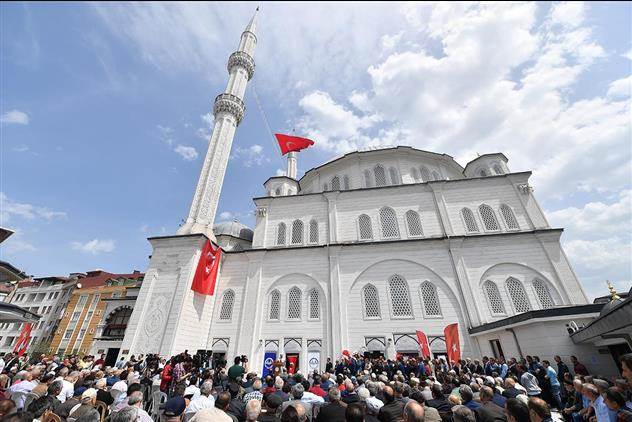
(231, 104)
(525, 188)
(155, 323)
(243, 59)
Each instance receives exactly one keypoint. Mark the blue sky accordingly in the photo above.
(105, 113)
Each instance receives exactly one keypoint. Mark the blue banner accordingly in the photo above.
(268, 363)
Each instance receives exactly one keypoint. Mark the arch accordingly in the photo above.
(415, 174)
(481, 172)
(489, 218)
(430, 299)
(509, 217)
(425, 174)
(297, 232)
(294, 303)
(281, 234)
(226, 310)
(380, 175)
(413, 222)
(470, 222)
(313, 231)
(400, 297)
(116, 322)
(543, 294)
(496, 304)
(335, 183)
(388, 222)
(367, 179)
(498, 169)
(314, 304)
(274, 311)
(365, 229)
(345, 182)
(435, 175)
(392, 172)
(518, 295)
(371, 302)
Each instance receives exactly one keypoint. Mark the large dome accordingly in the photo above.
(233, 228)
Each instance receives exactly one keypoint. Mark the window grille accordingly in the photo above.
(367, 179)
(435, 176)
(314, 306)
(394, 177)
(294, 303)
(498, 169)
(510, 218)
(380, 175)
(414, 223)
(388, 219)
(518, 295)
(488, 217)
(297, 232)
(335, 183)
(430, 299)
(425, 174)
(415, 174)
(470, 222)
(493, 295)
(278, 192)
(364, 225)
(371, 302)
(400, 299)
(544, 295)
(281, 234)
(227, 305)
(345, 182)
(275, 304)
(313, 231)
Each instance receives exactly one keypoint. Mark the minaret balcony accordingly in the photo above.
(230, 103)
(243, 59)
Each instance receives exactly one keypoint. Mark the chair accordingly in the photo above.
(102, 408)
(49, 416)
(158, 398)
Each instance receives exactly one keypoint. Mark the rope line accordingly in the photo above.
(265, 121)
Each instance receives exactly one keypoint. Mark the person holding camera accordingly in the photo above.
(236, 372)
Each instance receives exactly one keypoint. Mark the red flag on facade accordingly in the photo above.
(423, 344)
(452, 343)
(205, 276)
(23, 340)
(292, 143)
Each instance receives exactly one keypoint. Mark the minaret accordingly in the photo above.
(228, 110)
(291, 165)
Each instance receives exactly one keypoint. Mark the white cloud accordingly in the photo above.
(600, 254)
(569, 14)
(166, 134)
(620, 87)
(226, 215)
(17, 244)
(205, 132)
(250, 156)
(187, 153)
(20, 148)
(15, 117)
(9, 209)
(390, 41)
(94, 246)
(628, 54)
(281, 172)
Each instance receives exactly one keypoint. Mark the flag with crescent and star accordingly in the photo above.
(23, 340)
(205, 276)
(452, 343)
(423, 344)
(292, 143)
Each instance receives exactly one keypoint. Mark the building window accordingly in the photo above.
(380, 175)
(470, 222)
(518, 295)
(82, 300)
(297, 232)
(493, 296)
(367, 179)
(281, 234)
(67, 334)
(482, 173)
(488, 217)
(345, 182)
(415, 173)
(314, 305)
(81, 333)
(388, 220)
(394, 176)
(497, 349)
(277, 192)
(414, 223)
(275, 304)
(498, 169)
(294, 304)
(543, 293)
(228, 300)
(430, 299)
(371, 301)
(116, 323)
(400, 299)
(509, 217)
(313, 231)
(425, 174)
(75, 316)
(335, 183)
(364, 226)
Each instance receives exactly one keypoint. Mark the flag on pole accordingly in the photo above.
(205, 276)
(452, 343)
(292, 143)
(423, 344)
(23, 340)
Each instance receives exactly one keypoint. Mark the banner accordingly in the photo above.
(292, 364)
(452, 344)
(268, 364)
(23, 340)
(205, 276)
(423, 344)
(313, 361)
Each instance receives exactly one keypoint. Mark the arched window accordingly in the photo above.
(371, 301)
(518, 295)
(335, 183)
(367, 179)
(297, 232)
(313, 231)
(415, 173)
(388, 220)
(314, 305)
(294, 303)
(228, 300)
(498, 169)
(493, 296)
(116, 323)
(400, 299)
(364, 227)
(325, 187)
(435, 176)
(509, 217)
(544, 295)
(470, 222)
(394, 176)
(275, 304)
(345, 182)
(278, 192)
(488, 217)
(414, 223)
(380, 175)
(281, 234)
(482, 172)
(430, 299)
(425, 174)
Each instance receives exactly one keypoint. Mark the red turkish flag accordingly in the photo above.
(23, 340)
(423, 344)
(292, 143)
(205, 276)
(452, 343)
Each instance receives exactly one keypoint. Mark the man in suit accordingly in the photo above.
(489, 411)
(392, 410)
(335, 410)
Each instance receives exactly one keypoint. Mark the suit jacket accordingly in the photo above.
(490, 412)
(334, 412)
(391, 412)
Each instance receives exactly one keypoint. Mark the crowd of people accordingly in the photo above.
(354, 388)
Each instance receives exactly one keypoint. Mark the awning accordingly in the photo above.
(14, 313)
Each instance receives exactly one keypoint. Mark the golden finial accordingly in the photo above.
(613, 292)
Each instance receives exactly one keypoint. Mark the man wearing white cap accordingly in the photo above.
(85, 409)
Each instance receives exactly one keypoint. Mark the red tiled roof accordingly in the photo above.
(100, 278)
(37, 281)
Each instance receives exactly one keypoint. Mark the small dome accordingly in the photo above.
(233, 228)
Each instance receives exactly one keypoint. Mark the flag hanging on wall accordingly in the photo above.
(452, 343)
(424, 347)
(292, 143)
(205, 276)
(268, 364)
(23, 340)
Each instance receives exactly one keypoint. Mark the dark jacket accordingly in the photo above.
(334, 412)
(490, 412)
(391, 412)
(512, 392)
(105, 397)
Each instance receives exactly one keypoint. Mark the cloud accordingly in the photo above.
(281, 172)
(94, 246)
(205, 132)
(187, 153)
(20, 148)
(15, 117)
(166, 134)
(10, 209)
(17, 244)
(226, 215)
(621, 87)
(250, 156)
(599, 254)
(628, 54)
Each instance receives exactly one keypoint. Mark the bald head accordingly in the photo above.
(413, 412)
(388, 394)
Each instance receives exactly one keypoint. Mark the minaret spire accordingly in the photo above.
(229, 109)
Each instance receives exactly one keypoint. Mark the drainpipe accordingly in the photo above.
(511, 330)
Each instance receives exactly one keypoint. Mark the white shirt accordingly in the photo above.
(200, 402)
(2, 364)
(312, 398)
(23, 387)
(67, 390)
